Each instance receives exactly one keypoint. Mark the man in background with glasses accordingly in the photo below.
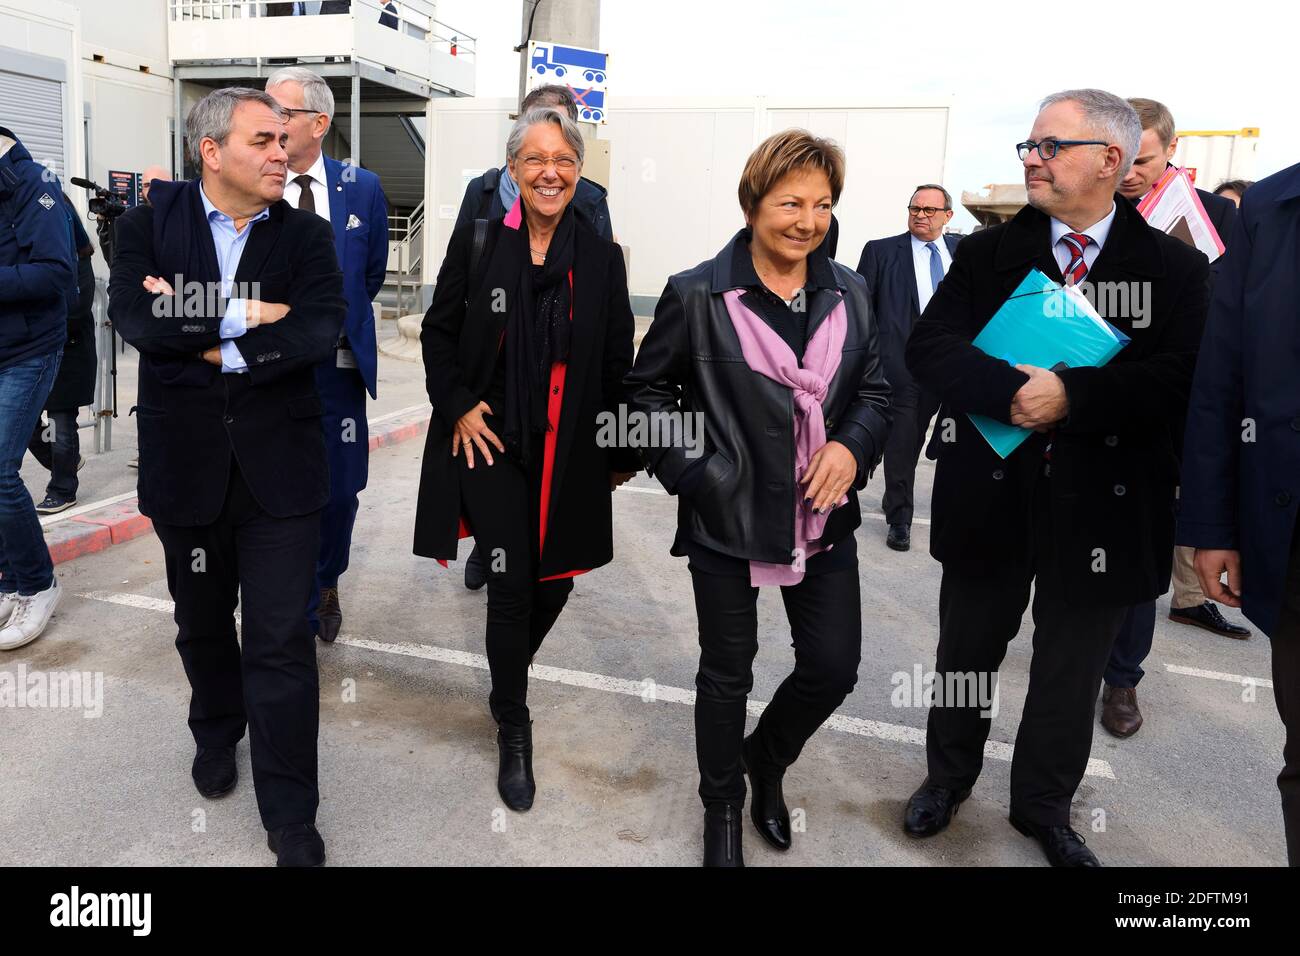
(902, 273)
(1083, 510)
(352, 201)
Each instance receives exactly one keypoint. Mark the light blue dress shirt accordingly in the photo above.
(230, 248)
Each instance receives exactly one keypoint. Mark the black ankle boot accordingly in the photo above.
(722, 836)
(766, 801)
(515, 772)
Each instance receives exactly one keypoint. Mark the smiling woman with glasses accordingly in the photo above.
(525, 346)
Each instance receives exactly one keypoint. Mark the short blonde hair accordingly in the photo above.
(1155, 115)
(783, 153)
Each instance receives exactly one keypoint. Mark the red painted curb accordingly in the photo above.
(116, 524)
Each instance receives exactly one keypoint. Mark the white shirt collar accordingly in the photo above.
(920, 244)
(1097, 232)
(316, 171)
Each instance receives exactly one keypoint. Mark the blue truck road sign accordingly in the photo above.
(572, 63)
(591, 104)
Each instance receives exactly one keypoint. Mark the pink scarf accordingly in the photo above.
(767, 354)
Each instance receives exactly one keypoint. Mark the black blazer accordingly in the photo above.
(1114, 466)
(460, 341)
(887, 265)
(690, 361)
(191, 417)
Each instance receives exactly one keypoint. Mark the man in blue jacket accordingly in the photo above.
(37, 278)
(351, 201)
(1241, 454)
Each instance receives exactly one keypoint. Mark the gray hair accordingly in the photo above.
(947, 197)
(316, 93)
(545, 114)
(1112, 118)
(210, 117)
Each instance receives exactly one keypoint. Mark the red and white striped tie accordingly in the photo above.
(1075, 243)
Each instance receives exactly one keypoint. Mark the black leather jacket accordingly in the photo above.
(691, 361)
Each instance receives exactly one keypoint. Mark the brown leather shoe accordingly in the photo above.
(1119, 711)
(330, 615)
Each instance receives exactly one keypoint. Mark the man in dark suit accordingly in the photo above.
(233, 298)
(1084, 509)
(902, 273)
(351, 200)
(1120, 714)
(1241, 455)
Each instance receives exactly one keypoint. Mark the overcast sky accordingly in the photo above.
(992, 62)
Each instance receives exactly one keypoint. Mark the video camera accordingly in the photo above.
(106, 205)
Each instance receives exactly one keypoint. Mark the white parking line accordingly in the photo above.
(647, 689)
(1240, 679)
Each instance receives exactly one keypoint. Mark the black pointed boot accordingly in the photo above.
(722, 836)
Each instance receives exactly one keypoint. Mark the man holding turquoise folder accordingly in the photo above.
(1082, 508)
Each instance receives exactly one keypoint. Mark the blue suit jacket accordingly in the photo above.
(1237, 493)
(363, 255)
(886, 264)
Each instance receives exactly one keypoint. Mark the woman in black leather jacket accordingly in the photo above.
(772, 348)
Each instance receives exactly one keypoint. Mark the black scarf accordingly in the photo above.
(537, 336)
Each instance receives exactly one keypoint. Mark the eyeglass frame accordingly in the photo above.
(922, 210)
(1029, 146)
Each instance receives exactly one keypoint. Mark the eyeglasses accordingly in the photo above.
(295, 109)
(1048, 148)
(565, 164)
(926, 211)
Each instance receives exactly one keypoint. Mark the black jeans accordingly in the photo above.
(825, 616)
(1286, 691)
(59, 456)
(980, 608)
(502, 506)
(268, 565)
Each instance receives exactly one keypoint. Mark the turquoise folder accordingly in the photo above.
(1043, 324)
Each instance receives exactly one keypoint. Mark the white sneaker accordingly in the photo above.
(31, 614)
(8, 601)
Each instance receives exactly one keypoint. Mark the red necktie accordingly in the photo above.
(1075, 242)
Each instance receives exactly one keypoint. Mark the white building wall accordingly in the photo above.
(676, 164)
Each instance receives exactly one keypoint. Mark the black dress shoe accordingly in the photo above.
(475, 570)
(899, 537)
(722, 836)
(329, 614)
(766, 801)
(297, 844)
(1208, 616)
(1061, 845)
(515, 770)
(214, 771)
(931, 809)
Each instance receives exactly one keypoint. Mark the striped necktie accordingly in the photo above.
(1077, 269)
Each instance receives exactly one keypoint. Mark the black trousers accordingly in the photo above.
(913, 410)
(825, 616)
(502, 504)
(1286, 691)
(1132, 645)
(60, 456)
(979, 613)
(267, 565)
